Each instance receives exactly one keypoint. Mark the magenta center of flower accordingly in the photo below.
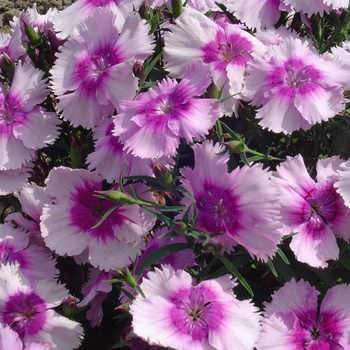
(25, 313)
(91, 69)
(218, 209)
(87, 210)
(10, 116)
(323, 203)
(326, 330)
(227, 49)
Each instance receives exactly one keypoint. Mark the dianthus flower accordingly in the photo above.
(66, 223)
(293, 320)
(312, 7)
(258, 14)
(243, 204)
(35, 263)
(295, 87)
(314, 211)
(66, 20)
(176, 314)
(343, 183)
(109, 159)
(93, 71)
(226, 49)
(24, 126)
(11, 180)
(151, 126)
(27, 308)
(95, 291)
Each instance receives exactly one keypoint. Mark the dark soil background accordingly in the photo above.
(9, 8)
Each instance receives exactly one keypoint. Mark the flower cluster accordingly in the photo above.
(182, 166)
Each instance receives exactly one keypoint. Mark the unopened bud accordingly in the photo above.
(117, 197)
(162, 174)
(180, 228)
(138, 69)
(7, 66)
(69, 306)
(236, 146)
(33, 37)
(176, 6)
(143, 11)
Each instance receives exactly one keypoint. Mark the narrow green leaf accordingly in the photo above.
(105, 215)
(283, 257)
(272, 267)
(236, 273)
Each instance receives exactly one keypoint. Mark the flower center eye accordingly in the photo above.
(315, 333)
(316, 206)
(195, 313)
(166, 106)
(220, 208)
(295, 77)
(101, 63)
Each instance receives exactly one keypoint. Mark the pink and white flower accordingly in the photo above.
(176, 314)
(67, 223)
(93, 71)
(66, 20)
(293, 320)
(260, 14)
(295, 87)
(314, 211)
(151, 126)
(24, 125)
(312, 7)
(109, 159)
(35, 263)
(11, 180)
(343, 183)
(95, 291)
(243, 204)
(226, 49)
(27, 309)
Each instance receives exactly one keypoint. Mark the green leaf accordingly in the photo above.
(151, 65)
(271, 267)
(228, 264)
(105, 215)
(283, 257)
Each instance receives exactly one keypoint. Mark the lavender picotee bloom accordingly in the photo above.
(292, 320)
(93, 71)
(67, 223)
(24, 125)
(27, 308)
(226, 49)
(243, 204)
(151, 126)
(294, 87)
(314, 211)
(176, 314)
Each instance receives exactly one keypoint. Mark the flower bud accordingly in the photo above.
(176, 5)
(162, 174)
(69, 306)
(33, 37)
(117, 197)
(7, 66)
(180, 228)
(138, 69)
(235, 146)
